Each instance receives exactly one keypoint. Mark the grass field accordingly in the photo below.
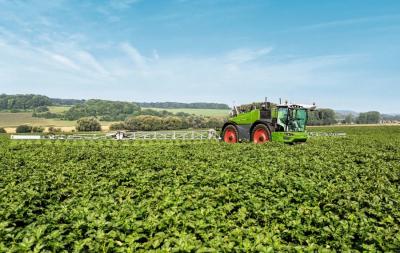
(327, 195)
(203, 112)
(58, 109)
(10, 121)
(19, 118)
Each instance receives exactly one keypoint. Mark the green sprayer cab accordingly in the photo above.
(265, 121)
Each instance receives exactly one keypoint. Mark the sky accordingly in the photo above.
(342, 54)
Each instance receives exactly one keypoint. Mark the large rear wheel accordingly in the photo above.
(230, 134)
(260, 134)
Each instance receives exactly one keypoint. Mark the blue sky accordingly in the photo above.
(340, 54)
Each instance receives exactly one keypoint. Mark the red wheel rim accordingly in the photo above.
(230, 136)
(260, 136)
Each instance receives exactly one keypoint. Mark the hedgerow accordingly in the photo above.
(331, 194)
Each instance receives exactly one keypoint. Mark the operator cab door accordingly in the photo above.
(282, 119)
(300, 117)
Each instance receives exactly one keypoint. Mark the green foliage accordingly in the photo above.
(321, 117)
(348, 119)
(62, 101)
(23, 129)
(41, 109)
(118, 126)
(169, 105)
(329, 195)
(37, 129)
(29, 129)
(22, 102)
(155, 123)
(183, 112)
(144, 123)
(2, 131)
(88, 124)
(372, 117)
(54, 130)
(162, 113)
(105, 110)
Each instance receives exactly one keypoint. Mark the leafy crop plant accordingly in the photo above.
(331, 194)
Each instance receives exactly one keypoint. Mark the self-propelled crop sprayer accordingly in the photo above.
(265, 121)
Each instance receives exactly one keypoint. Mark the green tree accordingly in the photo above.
(37, 129)
(88, 124)
(118, 126)
(107, 110)
(23, 129)
(23, 102)
(144, 123)
(348, 119)
(322, 117)
(214, 122)
(54, 130)
(171, 123)
(371, 117)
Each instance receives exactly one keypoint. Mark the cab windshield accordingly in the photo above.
(292, 120)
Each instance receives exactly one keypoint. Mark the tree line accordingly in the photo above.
(152, 123)
(103, 110)
(23, 102)
(321, 117)
(66, 101)
(329, 117)
(184, 105)
(31, 101)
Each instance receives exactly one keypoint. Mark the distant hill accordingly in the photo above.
(341, 114)
(346, 112)
(390, 116)
(173, 105)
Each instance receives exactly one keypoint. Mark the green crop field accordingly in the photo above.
(330, 194)
(203, 112)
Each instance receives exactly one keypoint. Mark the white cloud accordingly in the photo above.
(64, 61)
(137, 59)
(89, 61)
(351, 21)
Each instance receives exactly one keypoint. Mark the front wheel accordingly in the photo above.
(260, 134)
(230, 134)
